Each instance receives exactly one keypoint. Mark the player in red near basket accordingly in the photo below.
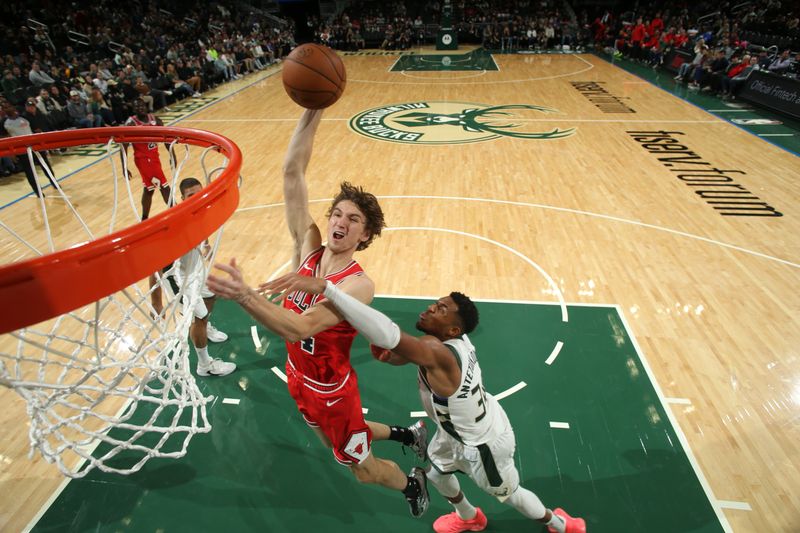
(145, 155)
(318, 339)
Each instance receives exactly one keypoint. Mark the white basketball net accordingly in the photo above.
(109, 385)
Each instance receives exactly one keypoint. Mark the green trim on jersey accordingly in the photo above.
(458, 357)
(447, 424)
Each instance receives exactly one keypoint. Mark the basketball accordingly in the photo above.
(314, 76)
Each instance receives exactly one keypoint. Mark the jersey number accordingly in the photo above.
(307, 345)
(477, 389)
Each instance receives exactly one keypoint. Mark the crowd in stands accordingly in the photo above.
(372, 24)
(715, 39)
(519, 25)
(84, 67)
(504, 25)
(510, 25)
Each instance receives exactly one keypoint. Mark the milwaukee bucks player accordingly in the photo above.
(473, 433)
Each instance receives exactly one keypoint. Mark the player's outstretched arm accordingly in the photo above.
(304, 231)
(287, 324)
(378, 328)
(387, 356)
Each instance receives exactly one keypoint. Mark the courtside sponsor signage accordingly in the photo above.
(601, 97)
(716, 186)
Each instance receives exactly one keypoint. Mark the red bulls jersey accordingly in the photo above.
(148, 150)
(323, 359)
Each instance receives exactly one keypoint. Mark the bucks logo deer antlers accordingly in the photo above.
(452, 123)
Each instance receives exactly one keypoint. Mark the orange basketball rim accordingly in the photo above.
(41, 288)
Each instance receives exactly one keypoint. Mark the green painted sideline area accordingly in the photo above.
(620, 464)
(476, 60)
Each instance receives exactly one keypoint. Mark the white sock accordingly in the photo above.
(529, 505)
(464, 509)
(202, 355)
(557, 523)
(447, 485)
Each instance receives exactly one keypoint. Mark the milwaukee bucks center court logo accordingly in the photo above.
(454, 123)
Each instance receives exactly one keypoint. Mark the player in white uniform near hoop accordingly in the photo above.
(201, 330)
(473, 433)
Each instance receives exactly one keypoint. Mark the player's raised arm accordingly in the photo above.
(304, 231)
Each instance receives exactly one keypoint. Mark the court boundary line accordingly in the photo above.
(716, 504)
(687, 450)
(394, 63)
(499, 301)
(553, 285)
(676, 427)
(78, 465)
(520, 255)
(477, 74)
(46, 505)
(785, 149)
(735, 505)
(678, 401)
(555, 208)
(563, 119)
(432, 81)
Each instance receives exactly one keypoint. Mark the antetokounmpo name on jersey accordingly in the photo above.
(468, 375)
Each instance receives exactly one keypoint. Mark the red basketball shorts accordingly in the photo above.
(152, 175)
(336, 413)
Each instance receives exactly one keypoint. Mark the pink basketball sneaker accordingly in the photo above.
(452, 523)
(574, 525)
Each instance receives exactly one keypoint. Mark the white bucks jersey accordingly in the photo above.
(192, 267)
(188, 269)
(470, 415)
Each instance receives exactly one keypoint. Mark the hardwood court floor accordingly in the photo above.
(606, 215)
